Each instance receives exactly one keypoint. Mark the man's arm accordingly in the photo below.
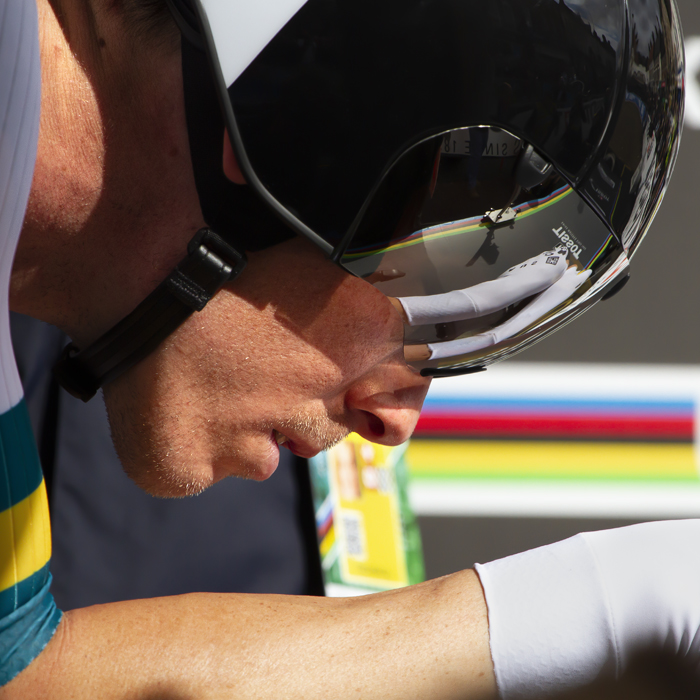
(426, 641)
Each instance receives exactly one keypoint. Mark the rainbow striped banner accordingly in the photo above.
(560, 439)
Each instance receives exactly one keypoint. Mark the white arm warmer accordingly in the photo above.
(562, 614)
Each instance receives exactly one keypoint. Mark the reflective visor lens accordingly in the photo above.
(476, 247)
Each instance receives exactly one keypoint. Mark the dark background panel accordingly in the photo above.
(454, 543)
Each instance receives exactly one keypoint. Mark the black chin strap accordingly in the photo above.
(210, 263)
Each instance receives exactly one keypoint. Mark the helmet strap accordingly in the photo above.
(210, 263)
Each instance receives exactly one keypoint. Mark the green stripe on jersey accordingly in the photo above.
(20, 470)
(23, 592)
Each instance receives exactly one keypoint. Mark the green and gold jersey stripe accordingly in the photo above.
(25, 532)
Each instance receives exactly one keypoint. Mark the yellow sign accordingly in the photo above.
(366, 514)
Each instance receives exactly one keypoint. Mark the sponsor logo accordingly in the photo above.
(563, 233)
(553, 260)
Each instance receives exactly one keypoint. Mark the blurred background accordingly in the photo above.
(594, 427)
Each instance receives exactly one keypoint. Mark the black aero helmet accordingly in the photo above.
(490, 166)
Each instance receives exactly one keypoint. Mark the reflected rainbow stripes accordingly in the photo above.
(460, 227)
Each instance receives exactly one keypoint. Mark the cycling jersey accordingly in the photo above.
(28, 614)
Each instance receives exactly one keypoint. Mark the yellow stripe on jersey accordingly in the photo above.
(25, 538)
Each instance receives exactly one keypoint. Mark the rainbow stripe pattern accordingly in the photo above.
(618, 432)
(457, 228)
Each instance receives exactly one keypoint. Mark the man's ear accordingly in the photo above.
(231, 168)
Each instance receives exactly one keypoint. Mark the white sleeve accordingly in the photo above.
(561, 615)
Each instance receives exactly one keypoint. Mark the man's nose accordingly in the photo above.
(384, 405)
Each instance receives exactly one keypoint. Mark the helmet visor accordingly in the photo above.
(479, 248)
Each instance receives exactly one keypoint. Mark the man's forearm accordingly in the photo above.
(427, 641)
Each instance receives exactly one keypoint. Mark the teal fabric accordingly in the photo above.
(28, 613)
(20, 476)
(20, 471)
(25, 632)
(23, 592)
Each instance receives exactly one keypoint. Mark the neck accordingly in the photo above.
(113, 202)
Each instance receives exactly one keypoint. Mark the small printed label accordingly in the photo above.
(563, 233)
(354, 533)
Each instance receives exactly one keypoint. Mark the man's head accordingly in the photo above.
(286, 353)
(429, 160)
(296, 349)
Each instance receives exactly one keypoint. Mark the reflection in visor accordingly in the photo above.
(490, 244)
(540, 306)
(531, 277)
